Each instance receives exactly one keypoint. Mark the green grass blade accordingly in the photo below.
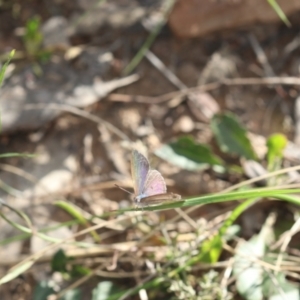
(3, 69)
(279, 12)
(27, 234)
(74, 212)
(290, 198)
(26, 155)
(217, 198)
(9, 190)
(20, 214)
(29, 231)
(211, 249)
(149, 41)
(15, 272)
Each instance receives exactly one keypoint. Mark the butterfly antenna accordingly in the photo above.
(123, 189)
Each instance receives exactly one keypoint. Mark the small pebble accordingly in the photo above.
(184, 124)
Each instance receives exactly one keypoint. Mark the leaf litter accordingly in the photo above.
(79, 161)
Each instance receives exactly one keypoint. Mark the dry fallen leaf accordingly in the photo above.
(203, 106)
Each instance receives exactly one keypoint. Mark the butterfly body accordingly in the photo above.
(137, 199)
(149, 185)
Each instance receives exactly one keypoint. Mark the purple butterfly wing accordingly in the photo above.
(139, 171)
(155, 184)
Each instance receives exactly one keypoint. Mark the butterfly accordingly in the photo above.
(149, 185)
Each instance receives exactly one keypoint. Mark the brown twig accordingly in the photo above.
(287, 80)
(78, 112)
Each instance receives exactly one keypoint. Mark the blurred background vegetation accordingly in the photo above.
(208, 91)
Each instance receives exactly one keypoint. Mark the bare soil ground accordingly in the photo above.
(80, 160)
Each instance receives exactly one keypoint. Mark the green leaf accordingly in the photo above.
(249, 274)
(59, 264)
(232, 136)
(79, 270)
(59, 261)
(102, 291)
(211, 249)
(279, 12)
(74, 294)
(16, 271)
(249, 271)
(276, 144)
(278, 287)
(187, 154)
(43, 290)
(46, 288)
(232, 231)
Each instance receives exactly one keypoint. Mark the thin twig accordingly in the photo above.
(53, 246)
(295, 228)
(78, 282)
(261, 56)
(287, 80)
(262, 81)
(159, 65)
(226, 276)
(78, 112)
(265, 176)
(151, 38)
